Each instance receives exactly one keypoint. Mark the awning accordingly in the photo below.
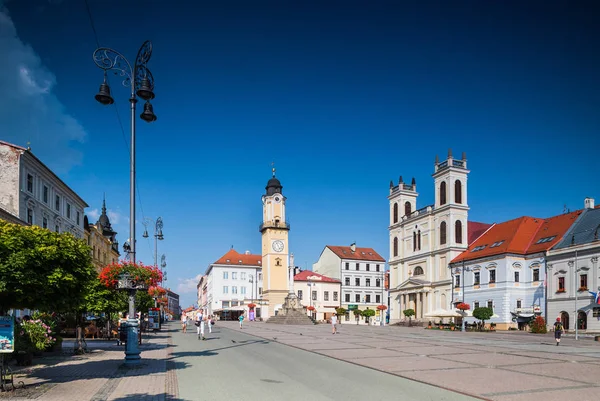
(442, 313)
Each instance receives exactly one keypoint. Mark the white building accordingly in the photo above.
(505, 269)
(573, 272)
(321, 292)
(233, 281)
(424, 240)
(32, 192)
(362, 275)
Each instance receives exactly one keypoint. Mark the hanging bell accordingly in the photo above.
(148, 114)
(103, 96)
(145, 91)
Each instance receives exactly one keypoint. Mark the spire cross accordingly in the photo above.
(273, 168)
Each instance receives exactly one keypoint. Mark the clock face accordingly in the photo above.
(278, 246)
(277, 199)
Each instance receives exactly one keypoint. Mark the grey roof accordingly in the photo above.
(584, 231)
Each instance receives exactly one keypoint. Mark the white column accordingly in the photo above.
(291, 274)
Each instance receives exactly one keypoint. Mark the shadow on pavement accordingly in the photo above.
(146, 397)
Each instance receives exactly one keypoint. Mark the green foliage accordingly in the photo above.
(340, 311)
(357, 312)
(483, 313)
(538, 325)
(408, 313)
(36, 334)
(368, 313)
(41, 269)
(100, 299)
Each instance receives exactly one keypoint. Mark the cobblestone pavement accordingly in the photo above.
(503, 366)
(101, 375)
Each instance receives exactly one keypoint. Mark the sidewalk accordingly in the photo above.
(101, 375)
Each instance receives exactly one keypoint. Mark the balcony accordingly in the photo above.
(274, 224)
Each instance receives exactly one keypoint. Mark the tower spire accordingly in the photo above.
(104, 203)
(273, 168)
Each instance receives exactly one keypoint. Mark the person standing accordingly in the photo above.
(558, 330)
(200, 324)
(333, 323)
(209, 323)
(184, 322)
(241, 319)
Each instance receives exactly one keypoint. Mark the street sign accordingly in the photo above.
(7, 334)
(352, 307)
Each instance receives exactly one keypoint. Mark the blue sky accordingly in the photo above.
(343, 96)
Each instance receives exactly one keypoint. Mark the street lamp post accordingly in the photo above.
(158, 235)
(132, 351)
(140, 80)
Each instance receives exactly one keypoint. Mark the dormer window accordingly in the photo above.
(497, 243)
(479, 248)
(546, 239)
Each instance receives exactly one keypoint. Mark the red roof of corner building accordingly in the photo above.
(345, 252)
(519, 236)
(304, 275)
(240, 259)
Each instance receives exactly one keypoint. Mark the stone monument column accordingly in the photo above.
(291, 275)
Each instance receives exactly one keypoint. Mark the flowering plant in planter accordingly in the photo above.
(146, 275)
(311, 308)
(162, 301)
(381, 307)
(156, 291)
(36, 334)
(463, 306)
(251, 306)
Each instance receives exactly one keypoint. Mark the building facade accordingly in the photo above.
(361, 272)
(424, 240)
(233, 282)
(32, 192)
(505, 269)
(173, 308)
(573, 275)
(318, 291)
(102, 240)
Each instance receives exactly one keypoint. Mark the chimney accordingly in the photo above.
(247, 253)
(353, 247)
(589, 203)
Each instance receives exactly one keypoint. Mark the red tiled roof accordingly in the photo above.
(345, 252)
(304, 275)
(475, 229)
(240, 259)
(519, 236)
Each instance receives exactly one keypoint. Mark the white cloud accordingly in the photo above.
(93, 215)
(116, 217)
(188, 285)
(29, 110)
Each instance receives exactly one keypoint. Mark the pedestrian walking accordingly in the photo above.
(558, 330)
(184, 322)
(200, 325)
(241, 319)
(209, 322)
(333, 323)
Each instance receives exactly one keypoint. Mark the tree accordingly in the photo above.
(409, 313)
(483, 314)
(340, 311)
(41, 269)
(368, 313)
(538, 325)
(357, 313)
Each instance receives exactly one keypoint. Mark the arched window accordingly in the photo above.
(395, 212)
(458, 191)
(419, 238)
(443, 193)
(443, 233)
(418, 271)
(395, 246)
(407, 208)
(414, 241)
(458, 231)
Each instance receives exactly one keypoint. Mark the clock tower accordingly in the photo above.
(275, 247)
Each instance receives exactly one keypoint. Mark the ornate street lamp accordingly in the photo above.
(141, 82)
(127, 283)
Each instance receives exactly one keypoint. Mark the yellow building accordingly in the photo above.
(275, 248)
(102, 239)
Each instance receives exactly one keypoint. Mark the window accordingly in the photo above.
(395, 246)
(347, 281)
(299, 294)
(234, 275)
(225, 304)
(561, 284)
(419, 239)
(367, 298)
(368, 282)
(243, 290)
(335, 296)
(29, 183)
(456, 281)
(30, 216)
(443, 193)
(225, 275)
(378, 299)
(368, 267)
(45, 222)
(259, 290)
(583, 282)
(242, 276)
(490, 304)
(347, 297)
(357, 282)
(68, 211)
(407, 208)
(476, 278)
(458, 231)
(414, 241)
(376, 268)
(497, 243)
(45, 194)
(234, 303)
(475, 305)
(357, 266)
(326, 296)
(536, 274)
(225, 289)
(377, 282)
(57, 228)
(457, 191)
(234, 289)
(492, 276)
(357, 298)
(443, 233)
(259, 276)
(545, 239)
(479, 248)
(395, 212)
(518, 304)
(57, 203)
(78, 218)
(347, 266)
(314, 295)
(418, 271)
(516, 277)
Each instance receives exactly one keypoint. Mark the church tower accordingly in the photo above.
(275, 247)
